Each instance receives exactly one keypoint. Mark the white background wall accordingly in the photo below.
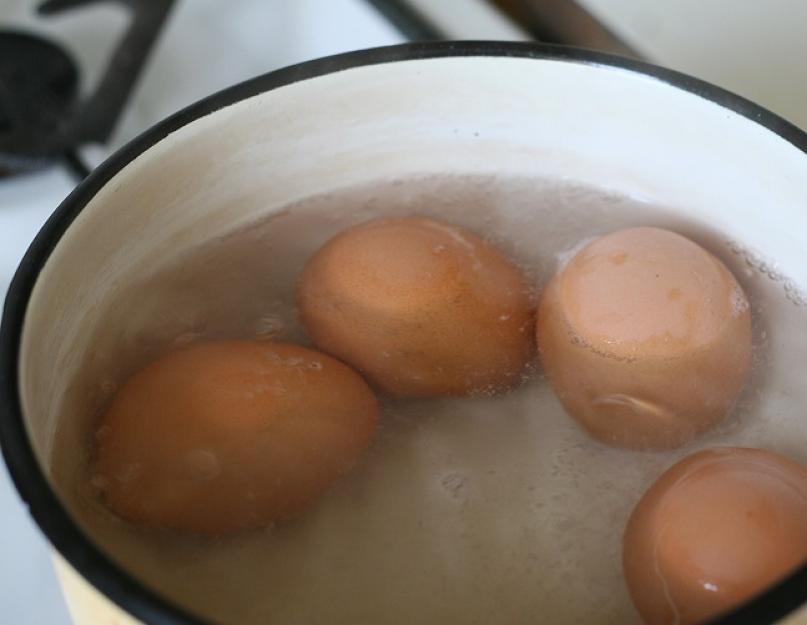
(757, 48)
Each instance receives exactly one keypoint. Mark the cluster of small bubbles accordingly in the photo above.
(186, 338)
(770, 271)
(129, 472)
(268, 327)
(795, 294)
(489, 390)
(735, 247)
(528, 374)
(755, 263)
(108, 388)
(273, 358)
(577, 340)
(739, 303)
(454, 483)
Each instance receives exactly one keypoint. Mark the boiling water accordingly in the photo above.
(495, 510)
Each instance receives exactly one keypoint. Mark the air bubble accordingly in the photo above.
(795, 294)
(454, 483)
(108, 387)
(268, 327)
(739, 303)
(755, 263)
(186, 338)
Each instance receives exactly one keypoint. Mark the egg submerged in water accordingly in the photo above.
(646, 338)
(716, 529)
(420, 306)
(227, 436)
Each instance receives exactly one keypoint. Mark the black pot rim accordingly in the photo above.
(65, 535)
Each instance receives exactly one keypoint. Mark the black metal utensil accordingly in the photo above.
(41, 119)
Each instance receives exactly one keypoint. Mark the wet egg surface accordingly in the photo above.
(646, 338)
(228, 436)
(422, 307)
(714, 530)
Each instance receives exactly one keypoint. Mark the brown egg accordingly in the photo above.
(713, 531)
(646, 338)
(419, 306)
(231, 435)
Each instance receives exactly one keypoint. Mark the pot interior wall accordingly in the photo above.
(382, 126)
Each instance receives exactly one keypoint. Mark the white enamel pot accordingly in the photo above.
(450, 108)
